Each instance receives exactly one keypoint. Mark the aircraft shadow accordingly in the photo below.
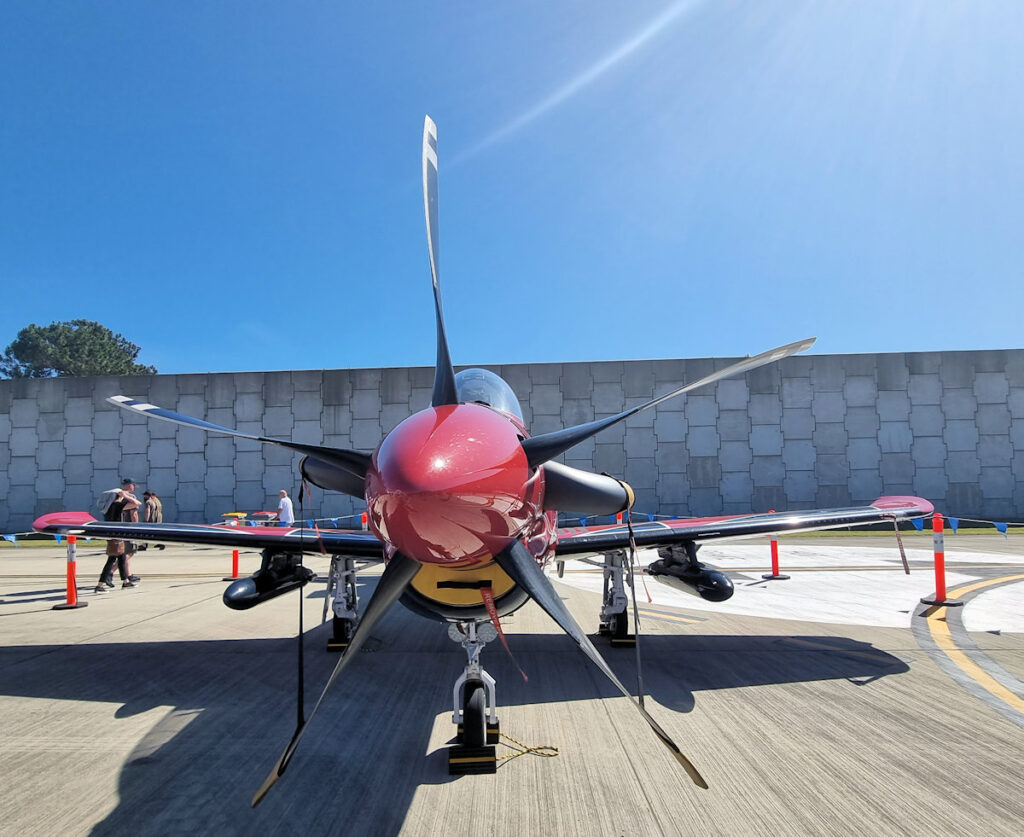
(231, 709)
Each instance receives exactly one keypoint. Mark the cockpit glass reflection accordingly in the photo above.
(485, 387)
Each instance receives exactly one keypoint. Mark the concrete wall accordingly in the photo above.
(821, 430)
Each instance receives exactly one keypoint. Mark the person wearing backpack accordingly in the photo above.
(124, 505)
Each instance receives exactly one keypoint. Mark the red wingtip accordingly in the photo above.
(63, 518)
(898, 502)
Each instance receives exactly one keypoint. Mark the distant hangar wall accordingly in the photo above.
(819, 430)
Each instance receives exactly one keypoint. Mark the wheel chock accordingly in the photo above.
(337, 645)
(628, 641)
(603, 629)
(493, 732)
(467, 760)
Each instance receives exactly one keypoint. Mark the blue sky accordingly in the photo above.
(236, 185)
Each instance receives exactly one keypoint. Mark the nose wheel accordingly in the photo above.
(341, 593)
(474, 704)
(614, 608)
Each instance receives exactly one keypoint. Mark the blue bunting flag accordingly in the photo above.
(954, 523)
(918, 523)
(1001, 527)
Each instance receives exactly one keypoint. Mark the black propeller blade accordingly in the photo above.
(444, 374)
(396, 577)
(354, 462)
(520, 566)
(539, 449)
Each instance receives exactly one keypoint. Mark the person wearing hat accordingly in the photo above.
(124, 508)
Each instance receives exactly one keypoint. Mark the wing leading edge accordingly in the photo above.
(335, 541)
(674, 532)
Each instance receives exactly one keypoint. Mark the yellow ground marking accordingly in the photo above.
(943, 638)
(660, 614)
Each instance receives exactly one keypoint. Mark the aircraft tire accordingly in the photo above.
(474, 714)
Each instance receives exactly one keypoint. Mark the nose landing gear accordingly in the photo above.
(474, 704)
(614, 616)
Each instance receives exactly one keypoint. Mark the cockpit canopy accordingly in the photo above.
(479, 385)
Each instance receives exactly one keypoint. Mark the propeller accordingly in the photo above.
(444, 373)
(522, 568)
(397, 575)
(540, 449)
(353, 462)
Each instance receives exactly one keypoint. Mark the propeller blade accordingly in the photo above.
(539, 449)
(522, 568)
(396, 577)
(444, 374)
(352, 461)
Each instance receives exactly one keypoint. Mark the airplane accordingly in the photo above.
(462, 506)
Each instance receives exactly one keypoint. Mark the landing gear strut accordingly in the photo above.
(341, 591)
(474, 704)
(614, 609)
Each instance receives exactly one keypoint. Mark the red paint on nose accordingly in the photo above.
(452, 485)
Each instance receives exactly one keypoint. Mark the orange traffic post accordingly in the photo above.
(940, 567)
(234, 566)
(72, 596)
(775, 574)
(362, 520)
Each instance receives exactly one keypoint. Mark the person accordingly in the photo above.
(153, 512)
(285, 514)
(118, 551)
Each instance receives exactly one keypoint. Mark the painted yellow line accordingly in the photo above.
(939, 628)
(657, 614)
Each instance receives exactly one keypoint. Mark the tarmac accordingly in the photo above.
(830, 703)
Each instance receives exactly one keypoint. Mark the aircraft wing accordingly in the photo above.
(335, 541)
(572, 541)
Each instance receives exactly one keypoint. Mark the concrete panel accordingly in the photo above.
(701, 410)
(609, 458)
(991, 388)
(798, 455)
(925, 389)
(307, 406)
(190, 441)
(797, 423)
(765, 381)
(220, 481)
(576, 381)
(391, 415)
(107, 424)
(994, 450)
(765, 409)
(927, 420)
(190, 500)
(5, 456)
(704, 472)
(891, 372)
(278, 421)
(895, 436)
(78, 440)
(546, 400)
(796, 392)
(956, 369)
(767, 470)
(865, 485)
(220, 451)
(50, 456)
(51, 427)
(641, 473)
(277, 389)
(830, 438)
(79, 412)
(24, 441)
(545, 373)
(962, 466)
(766, 440)
(833, 496)
(608, 397)
(896, 468)
(735, 456)
(578, 411)
(705, 501)
(996, 483)
(768, 497)
(929, 452)
(993, 419)
(163, 453)
(702, 441)
(220, 391)
(395, 386)
(275, 478)
(1015, 401)
(337, 420)
(134, 438)
(22, 471)
(24, 413)
(862, 422)
(827, 373)
(737, 488)
(638, 379)
(1017, 434)
(78, 471)
(864, 453)
(893, 406)
(191, 467)
(959, 404)
(337, 387)
(674, 488)
(249, 467)
(961, 435)
(640, 443)
(733, 394)
(800, 487)
(274, 455)
(365, 404)
(308, 380)
(546, 424)
(964, 499)
(645, 418)
(307, 432)
(860, 391)
(828, 407)
(832, 469)
(923, 363)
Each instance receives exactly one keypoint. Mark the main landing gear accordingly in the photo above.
(341, 592)
(614, 608)
(474, 704)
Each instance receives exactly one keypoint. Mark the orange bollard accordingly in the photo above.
(775, 574)
(618, 518)
(234, 566)
(362, 520)
(72, 596)
(940, 567)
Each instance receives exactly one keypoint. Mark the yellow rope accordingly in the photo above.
(545, 750)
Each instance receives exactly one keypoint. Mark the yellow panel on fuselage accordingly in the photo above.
(426, 581)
